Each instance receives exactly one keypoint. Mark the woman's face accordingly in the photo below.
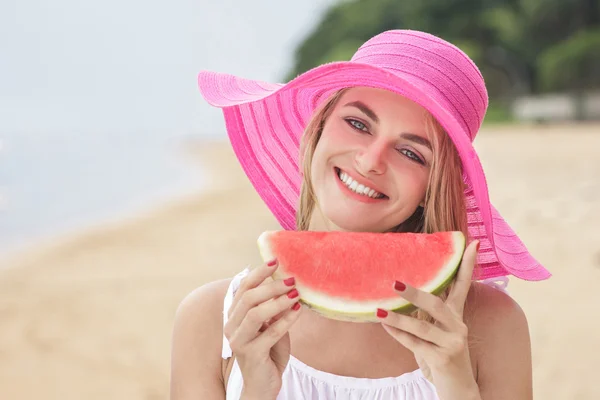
(371, 165)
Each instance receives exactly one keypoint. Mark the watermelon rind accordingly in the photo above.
(344, 309)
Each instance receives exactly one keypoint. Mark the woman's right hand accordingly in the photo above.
(257, 330)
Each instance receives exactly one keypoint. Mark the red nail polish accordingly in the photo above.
(296, 307)
(272, 263)
(289, 281)
(381, 313)
(292, 294)
(399, 286)
(477, 247)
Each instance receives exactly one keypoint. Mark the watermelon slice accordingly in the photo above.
(348, 275)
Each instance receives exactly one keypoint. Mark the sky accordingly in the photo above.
(130, 65)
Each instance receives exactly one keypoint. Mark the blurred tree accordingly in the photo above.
(573, 64)
(521, 46)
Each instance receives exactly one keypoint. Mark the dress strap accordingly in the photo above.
(233, 287)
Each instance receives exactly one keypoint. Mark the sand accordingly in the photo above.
(89, 315)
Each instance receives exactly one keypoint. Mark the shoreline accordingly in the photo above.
(80, 190)
(101, 221)
(187, 150)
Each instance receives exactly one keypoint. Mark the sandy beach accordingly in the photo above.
(89, 316)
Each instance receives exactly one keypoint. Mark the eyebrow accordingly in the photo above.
(406, 135)
(417, 139)
(366, 110)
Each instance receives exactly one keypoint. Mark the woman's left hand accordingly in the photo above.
(441, 349)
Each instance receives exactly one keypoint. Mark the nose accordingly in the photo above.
(371, 159)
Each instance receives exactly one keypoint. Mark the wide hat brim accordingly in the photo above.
(265, 122)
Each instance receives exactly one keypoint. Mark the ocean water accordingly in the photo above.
(95, 98)
(52, 185)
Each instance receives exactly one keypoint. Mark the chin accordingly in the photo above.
(341, 221)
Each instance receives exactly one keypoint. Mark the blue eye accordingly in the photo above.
(357, 125)
(412, 155)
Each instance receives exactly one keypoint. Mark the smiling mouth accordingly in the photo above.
(358, 188)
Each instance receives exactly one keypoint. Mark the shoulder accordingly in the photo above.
(493, 316)
(500, 341)
(196, 342)
(199, 315)
(207, 298)
(492, 310)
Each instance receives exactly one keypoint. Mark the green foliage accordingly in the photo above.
(497, 112)
(519, 45)
(341, 51)
(573, 64)
(344, 26)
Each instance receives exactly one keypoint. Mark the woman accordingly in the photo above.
(395, 126)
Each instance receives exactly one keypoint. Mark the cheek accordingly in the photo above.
(319, 167)
(412, 183)
(331, 143)
(335, 133)
(318, 158)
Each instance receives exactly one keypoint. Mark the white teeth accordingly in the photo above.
(347, 180)
(358, 188)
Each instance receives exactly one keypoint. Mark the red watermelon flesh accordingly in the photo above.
(348, 275)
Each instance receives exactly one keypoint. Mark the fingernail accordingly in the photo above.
(381, 313)
(477, 247)
(289, 281)
(296, 307)
(292, 294)
(399, 286)
(272, 263)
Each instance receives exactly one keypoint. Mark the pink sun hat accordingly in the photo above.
(265, 122)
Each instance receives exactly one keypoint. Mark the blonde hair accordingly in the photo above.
(444, 209)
